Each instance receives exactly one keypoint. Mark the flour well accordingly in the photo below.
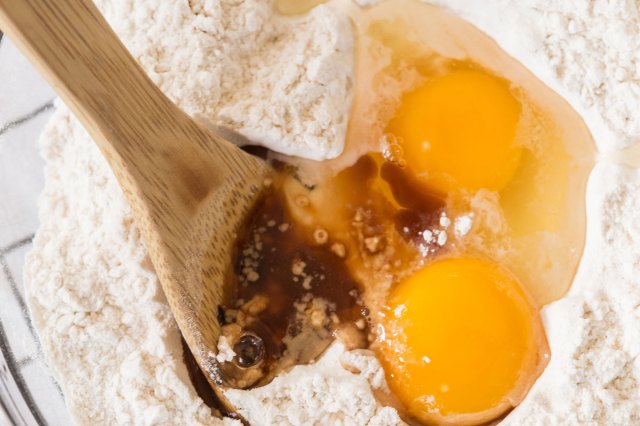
(104, 324)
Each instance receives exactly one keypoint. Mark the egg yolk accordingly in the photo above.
(462, 344)
(458, 131)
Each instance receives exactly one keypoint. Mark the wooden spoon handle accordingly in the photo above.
(149, 142)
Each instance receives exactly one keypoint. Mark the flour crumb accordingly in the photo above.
(225, 351)
(442, 238)
(297, 267)
(339, 249)
(462, 225)
(444, 220)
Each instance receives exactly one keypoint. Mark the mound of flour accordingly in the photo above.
(104, 324)
(284, 83)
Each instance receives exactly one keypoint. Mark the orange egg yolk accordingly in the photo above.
(461, 343)
(458, 131)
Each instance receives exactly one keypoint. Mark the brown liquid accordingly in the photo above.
(283, 247)
(301, 247)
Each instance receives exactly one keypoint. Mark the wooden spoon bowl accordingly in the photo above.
(190, 190)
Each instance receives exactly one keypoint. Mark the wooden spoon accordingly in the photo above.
(189, 189)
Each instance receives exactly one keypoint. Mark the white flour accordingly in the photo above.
(102, 318)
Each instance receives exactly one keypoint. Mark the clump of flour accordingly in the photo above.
(282, 82)
(103, 321)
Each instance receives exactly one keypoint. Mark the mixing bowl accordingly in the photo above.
(29, 394)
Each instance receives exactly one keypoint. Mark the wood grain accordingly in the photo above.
(189, 189)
